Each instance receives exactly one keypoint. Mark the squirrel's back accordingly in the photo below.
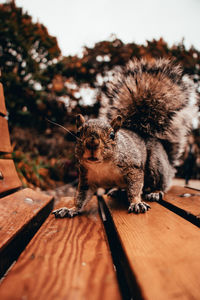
(154, 100)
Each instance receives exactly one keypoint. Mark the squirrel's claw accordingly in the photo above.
(137, 208)
(65, 212)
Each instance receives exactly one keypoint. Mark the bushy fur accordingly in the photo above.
(154, 100)
(139, 137)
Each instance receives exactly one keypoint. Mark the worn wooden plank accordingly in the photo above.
(67, 259)
(22, 213)
(5, 145)
(8, 176)
(190, 204)
(163, 251)
(2, 101)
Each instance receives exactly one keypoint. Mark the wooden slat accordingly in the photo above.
(191, 205)
(67, 259)
(5, 145)
(2, 101)
(21, 215)
(10, 178)
(163, 251)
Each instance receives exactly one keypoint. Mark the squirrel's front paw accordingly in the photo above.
(140, 207)
(65, 212)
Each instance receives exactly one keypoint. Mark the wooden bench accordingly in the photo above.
(105, 253)
(22, 211)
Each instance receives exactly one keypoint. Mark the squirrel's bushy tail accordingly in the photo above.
(154, 99)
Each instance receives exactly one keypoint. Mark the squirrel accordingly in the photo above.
(139, 136)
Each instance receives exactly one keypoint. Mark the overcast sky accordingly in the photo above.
(76, 23)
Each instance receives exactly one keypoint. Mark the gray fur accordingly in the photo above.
(150, 101)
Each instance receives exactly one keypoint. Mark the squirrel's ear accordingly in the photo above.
(79, 120)
(116, 123)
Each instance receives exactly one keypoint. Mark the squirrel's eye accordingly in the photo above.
(112, 135)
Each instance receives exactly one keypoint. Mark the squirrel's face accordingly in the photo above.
(96, 139)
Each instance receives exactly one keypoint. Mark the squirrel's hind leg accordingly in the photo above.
(158, 172)
(154, 196)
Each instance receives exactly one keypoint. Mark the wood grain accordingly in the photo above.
(5, 145)
(21, 215)
(189, 204)
(10, 178)
(67, 259)
(163, 251)
(2, 101)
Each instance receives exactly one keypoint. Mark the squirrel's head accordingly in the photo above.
(96, 139)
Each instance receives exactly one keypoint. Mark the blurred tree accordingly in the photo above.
(36, 76)
(96, 65)
(39, 82)
(26, 50)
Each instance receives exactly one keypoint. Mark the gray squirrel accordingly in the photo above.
(136, 142)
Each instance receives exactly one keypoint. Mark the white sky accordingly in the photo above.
(76, 23)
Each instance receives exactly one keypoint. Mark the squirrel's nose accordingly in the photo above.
(92, 143)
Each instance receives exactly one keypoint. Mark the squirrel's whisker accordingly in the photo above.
(63, 128)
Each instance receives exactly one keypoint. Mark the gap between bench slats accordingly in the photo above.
(5, 145)
(66, 259)
(2, 101)
(22, 213)
(187, 207)
(163, 251)
(9, 179)
(190, 204)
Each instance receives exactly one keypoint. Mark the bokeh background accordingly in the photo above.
(55, 60)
